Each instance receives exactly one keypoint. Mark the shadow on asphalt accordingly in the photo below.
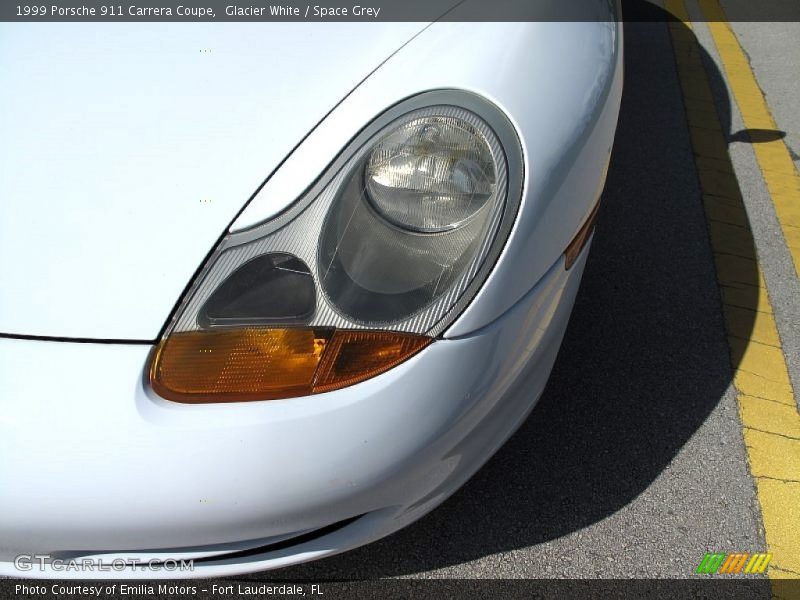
(643, 363)
(757, 136)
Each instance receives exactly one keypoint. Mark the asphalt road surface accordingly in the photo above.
(633, 464)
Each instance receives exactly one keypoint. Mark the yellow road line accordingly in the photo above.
(773, 157)
(768, 412)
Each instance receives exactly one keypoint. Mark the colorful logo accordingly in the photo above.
(734, 564)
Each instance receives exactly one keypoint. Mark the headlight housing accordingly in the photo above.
(363, 271)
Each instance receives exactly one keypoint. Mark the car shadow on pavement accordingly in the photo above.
(643, 363)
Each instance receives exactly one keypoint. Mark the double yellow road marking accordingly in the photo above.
(767, 407)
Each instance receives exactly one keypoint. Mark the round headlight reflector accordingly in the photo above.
(431, 174)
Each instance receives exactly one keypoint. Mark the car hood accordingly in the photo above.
(127, 150)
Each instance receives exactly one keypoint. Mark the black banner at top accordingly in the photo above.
(321, 11)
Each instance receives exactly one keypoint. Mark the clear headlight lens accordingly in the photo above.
(431, 174)
(361, 273)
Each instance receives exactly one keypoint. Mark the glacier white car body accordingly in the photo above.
(92, 462)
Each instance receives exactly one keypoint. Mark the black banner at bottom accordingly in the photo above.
(389, 589)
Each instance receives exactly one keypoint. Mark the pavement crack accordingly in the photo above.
(726, 200)
(750, 340)
(760, 376)
(753, 310)
(783, 435)
(781, 479)
(719, 252)
(784, 404)
(729, 223)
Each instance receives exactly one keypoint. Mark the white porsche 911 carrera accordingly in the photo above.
(265, 286)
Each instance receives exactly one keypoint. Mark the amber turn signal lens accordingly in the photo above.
(241, 365)
(353, 356)
(577, 244)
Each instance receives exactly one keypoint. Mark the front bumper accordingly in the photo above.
(95, 465)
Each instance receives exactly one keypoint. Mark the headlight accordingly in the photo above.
(431, 174)
(412, 220)
(362, 272)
